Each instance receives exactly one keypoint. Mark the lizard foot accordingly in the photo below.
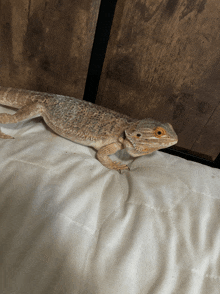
(4, 136)
(118, 166)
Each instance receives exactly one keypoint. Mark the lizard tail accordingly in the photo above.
(16, 98)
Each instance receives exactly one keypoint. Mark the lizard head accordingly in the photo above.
(147, 136)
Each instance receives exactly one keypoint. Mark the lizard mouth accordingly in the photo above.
(149, 145)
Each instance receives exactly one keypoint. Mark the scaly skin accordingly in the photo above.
(88, 124)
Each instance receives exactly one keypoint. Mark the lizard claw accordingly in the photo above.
(118, 166)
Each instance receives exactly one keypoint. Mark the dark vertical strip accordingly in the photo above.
(102, 33)
(29, 9)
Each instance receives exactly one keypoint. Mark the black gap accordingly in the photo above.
(104, 23)
(186, 155)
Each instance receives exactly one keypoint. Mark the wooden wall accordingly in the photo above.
(45, 45)
(163, 61)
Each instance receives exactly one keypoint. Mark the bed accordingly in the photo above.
(70, 225)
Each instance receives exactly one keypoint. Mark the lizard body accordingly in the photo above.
(88, 124)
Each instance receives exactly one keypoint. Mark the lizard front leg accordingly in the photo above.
(103, 157)
(26, 112)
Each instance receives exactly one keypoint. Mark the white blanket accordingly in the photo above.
(69, 225)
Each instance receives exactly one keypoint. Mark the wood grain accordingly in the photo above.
(163, 62)
(46, 44)
(205, 143)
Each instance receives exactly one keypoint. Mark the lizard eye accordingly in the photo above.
(159, 132)
(138, 135)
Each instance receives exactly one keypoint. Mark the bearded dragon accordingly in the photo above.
(88, 124)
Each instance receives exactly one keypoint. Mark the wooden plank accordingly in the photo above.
(162, 61)
(205, 143)
(48, 44)
(13, 25)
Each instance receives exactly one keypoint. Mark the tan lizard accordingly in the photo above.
(88, 124)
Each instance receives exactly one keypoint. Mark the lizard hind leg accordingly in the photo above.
(26, 112)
